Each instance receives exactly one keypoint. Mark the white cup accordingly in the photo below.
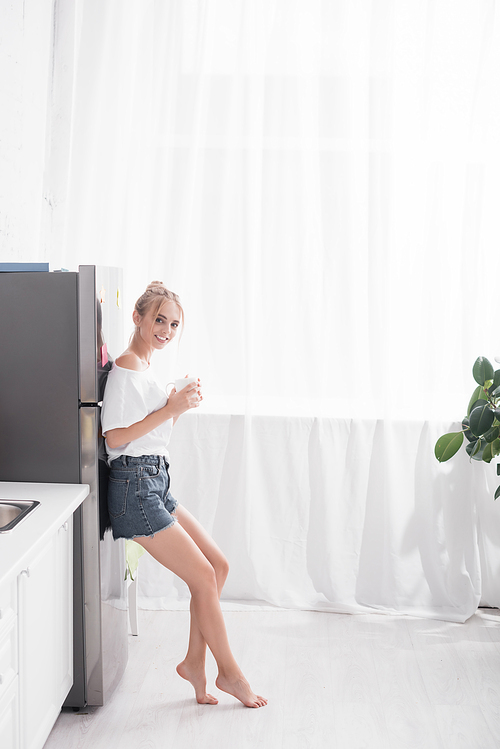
(181, 383)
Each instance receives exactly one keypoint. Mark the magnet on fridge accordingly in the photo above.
(118, 297)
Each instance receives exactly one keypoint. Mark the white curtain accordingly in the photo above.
(319, 180)
(339, 515)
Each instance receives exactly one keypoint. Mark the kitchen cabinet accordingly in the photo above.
(9, 691)
(45, 628)
(36, 620)
(9, 717)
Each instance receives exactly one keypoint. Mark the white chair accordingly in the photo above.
(133, 552)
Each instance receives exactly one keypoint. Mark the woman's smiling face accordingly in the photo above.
(158, 330)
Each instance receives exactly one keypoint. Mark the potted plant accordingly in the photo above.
(481, 426)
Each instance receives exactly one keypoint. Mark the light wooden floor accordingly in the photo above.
(333, 681)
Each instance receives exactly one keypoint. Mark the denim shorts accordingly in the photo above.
(139, 501)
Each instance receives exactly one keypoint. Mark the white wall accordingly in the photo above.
(26, 43)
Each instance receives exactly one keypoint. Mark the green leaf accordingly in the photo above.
(491, 434)
(498, 469)
(478, 403)
(478, 394)
(448, 445)
(495, 448)
(481, 419)
(497, 493)
(472, 448)
(467, 432)
(496, 392)
(475, 449)
(487, 455)
(496, 378)
(482, 370)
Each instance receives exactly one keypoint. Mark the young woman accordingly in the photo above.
(137, 420)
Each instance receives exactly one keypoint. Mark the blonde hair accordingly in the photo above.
(154, 297)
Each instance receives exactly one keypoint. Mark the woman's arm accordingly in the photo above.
(178, 403)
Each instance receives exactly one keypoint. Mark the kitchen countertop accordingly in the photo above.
(57, 503)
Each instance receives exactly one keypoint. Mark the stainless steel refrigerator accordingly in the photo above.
(53, 367)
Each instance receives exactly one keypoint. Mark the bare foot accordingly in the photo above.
(197, 678)
(240, 688)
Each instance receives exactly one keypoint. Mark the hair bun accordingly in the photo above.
(155, 285)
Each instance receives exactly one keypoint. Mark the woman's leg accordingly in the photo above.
(177, 551)
(192, 667)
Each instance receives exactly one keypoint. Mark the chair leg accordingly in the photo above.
(132, 606)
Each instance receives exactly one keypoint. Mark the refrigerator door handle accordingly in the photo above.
(87, 323)
(89, 421)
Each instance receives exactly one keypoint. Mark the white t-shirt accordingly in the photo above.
(128, 398)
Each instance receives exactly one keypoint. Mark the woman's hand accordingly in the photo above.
(187, 398)
(177, 404)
